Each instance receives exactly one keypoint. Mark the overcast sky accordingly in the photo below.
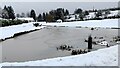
(40, 7)
(59, 0)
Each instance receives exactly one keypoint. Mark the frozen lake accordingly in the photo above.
(42, 44)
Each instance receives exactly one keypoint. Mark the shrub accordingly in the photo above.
(36, 24)
(4, 23)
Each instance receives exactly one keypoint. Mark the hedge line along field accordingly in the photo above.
(4, 23)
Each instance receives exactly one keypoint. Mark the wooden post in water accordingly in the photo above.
(90, 42)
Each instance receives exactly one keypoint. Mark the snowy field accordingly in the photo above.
(9, 31)
(106, 23)
(92, 15)
(101, 57)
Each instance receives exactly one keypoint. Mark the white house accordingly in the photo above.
(59, 21)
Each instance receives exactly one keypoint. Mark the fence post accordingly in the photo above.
(90, 42)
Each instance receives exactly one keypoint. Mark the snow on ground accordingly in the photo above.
(73, 18)
(26, 19)
(113, 13)
(0, 18)
(101, 57)
(91, 15)
(106, 23)
(11, 30)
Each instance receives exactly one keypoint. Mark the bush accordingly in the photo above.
(4, 23)
(25, 21)
(36, 24)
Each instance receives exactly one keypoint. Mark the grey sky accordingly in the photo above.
(40, 7)
(59, 0)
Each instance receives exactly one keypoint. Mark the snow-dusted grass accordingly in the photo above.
(101, 57)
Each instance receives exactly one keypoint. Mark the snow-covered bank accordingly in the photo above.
(9, 31)
(106, 23)
(101, 57)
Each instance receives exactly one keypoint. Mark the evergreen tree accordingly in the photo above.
(11, 13)
(32, 14)
(22, 14)
(17, 15)
(5, 8)
(27, 14)
(0, 12)
(8, 13)
(47, 14)
(107, 12)
(86, 13)
(54, 14)
(81, 16)
(98, 14)
(44, 16)
(60, 14)
(78, 11)
(39, 18)
(66, 12)
(5, 13)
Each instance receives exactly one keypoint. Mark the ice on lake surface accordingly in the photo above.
(42, 44)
